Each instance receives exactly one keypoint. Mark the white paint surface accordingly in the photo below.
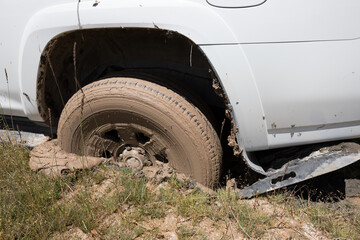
(291, 69)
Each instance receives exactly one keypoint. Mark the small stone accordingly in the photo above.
(352, 187)
(138, 173)
(231, 184)
(171, 236)
(192, 184)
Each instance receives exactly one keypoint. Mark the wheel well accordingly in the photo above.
(74, 59)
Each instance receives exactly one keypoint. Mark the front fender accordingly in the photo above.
(232, 67)
(195, 20)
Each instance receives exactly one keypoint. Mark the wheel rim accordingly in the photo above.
(141, 139)
(111, 140)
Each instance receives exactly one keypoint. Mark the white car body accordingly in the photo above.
(290, 69)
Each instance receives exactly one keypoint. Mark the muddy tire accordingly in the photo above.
(110, 117)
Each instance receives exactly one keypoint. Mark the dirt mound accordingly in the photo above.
(48, 158)
(213, 215)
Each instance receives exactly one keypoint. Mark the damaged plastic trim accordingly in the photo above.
(325, 160)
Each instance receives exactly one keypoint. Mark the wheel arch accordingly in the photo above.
(192, 20)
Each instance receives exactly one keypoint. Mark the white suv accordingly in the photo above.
(153, 80)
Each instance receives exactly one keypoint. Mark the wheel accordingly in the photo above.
(140, 122)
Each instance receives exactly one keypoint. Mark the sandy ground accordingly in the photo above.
(285, 225)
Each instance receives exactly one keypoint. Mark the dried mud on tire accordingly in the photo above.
(106, 116)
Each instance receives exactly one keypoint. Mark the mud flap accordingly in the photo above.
(320, 162)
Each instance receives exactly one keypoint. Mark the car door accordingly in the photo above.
(304, 57)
